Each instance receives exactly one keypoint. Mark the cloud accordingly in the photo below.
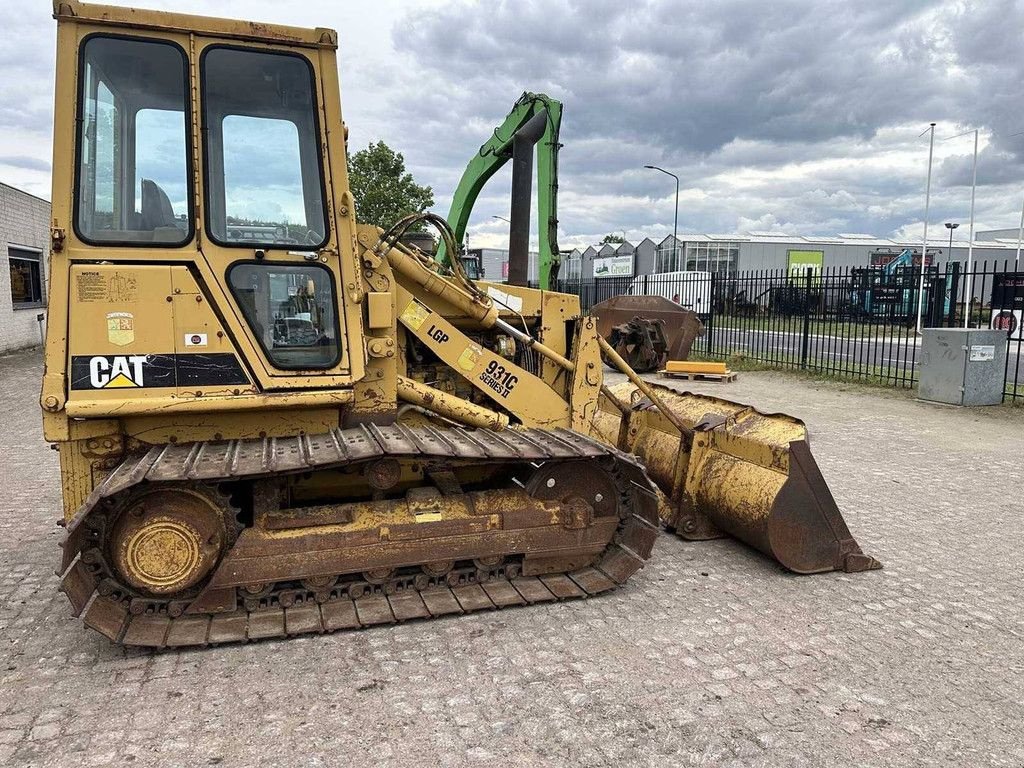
(25, 163)
(803, 115)
(800, 112)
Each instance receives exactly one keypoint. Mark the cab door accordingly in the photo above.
(271, 234)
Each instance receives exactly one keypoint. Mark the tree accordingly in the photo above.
(383, 190)
(612, 239)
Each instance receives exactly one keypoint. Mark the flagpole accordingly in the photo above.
(970, 242)
(924, 247)
(1020, 236)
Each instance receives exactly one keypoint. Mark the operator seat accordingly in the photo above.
(157, 213)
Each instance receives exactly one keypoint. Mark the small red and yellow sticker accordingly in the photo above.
(120, 328)
(470, 357)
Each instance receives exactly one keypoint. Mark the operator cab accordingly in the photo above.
(260, 235)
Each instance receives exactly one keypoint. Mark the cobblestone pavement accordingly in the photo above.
(710, 656)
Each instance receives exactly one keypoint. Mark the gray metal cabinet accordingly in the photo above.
(962, 366)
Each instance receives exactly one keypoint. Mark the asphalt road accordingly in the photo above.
(901, 355)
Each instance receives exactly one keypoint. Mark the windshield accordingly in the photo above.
(132, 160)
(264, 180)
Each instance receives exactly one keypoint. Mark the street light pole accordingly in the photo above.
(951, 225)
(675, 223)
(969, 294)
(924, 247)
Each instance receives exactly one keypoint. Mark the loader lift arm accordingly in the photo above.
(493, 155)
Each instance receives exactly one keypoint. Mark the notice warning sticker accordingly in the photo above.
(91, 286)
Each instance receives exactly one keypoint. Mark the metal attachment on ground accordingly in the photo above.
(641, 343)
(651, 329)
(734, 470)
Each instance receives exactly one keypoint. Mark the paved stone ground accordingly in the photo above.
(710, 656)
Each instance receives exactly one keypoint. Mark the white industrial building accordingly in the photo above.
(494, 263)
(728, 254)
(24, 246)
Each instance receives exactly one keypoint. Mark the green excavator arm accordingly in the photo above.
(497, 151)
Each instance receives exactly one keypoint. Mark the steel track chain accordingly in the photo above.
(109, 612)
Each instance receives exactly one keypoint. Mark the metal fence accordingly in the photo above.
(858, 323)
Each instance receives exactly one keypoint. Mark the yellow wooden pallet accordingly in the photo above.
(724, 377)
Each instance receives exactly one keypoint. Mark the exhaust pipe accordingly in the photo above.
(522, 187)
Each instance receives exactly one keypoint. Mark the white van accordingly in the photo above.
(691, 290)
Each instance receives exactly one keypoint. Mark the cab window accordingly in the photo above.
(291, 310)
(263, 161)
(132, 186)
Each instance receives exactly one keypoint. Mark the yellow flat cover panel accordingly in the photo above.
(687, 366)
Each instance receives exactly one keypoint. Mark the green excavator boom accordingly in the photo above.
(497, 151)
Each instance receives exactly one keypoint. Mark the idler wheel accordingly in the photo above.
(168, 540)
(576, 480)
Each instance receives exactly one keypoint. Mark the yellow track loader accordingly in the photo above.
(273, 420)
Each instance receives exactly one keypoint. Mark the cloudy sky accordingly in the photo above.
(801, 116)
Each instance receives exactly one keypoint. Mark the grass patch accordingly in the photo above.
(871, 375)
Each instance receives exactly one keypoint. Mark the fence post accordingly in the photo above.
(954, 292)
(936, 301)
(805, 347)
(711, 315)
